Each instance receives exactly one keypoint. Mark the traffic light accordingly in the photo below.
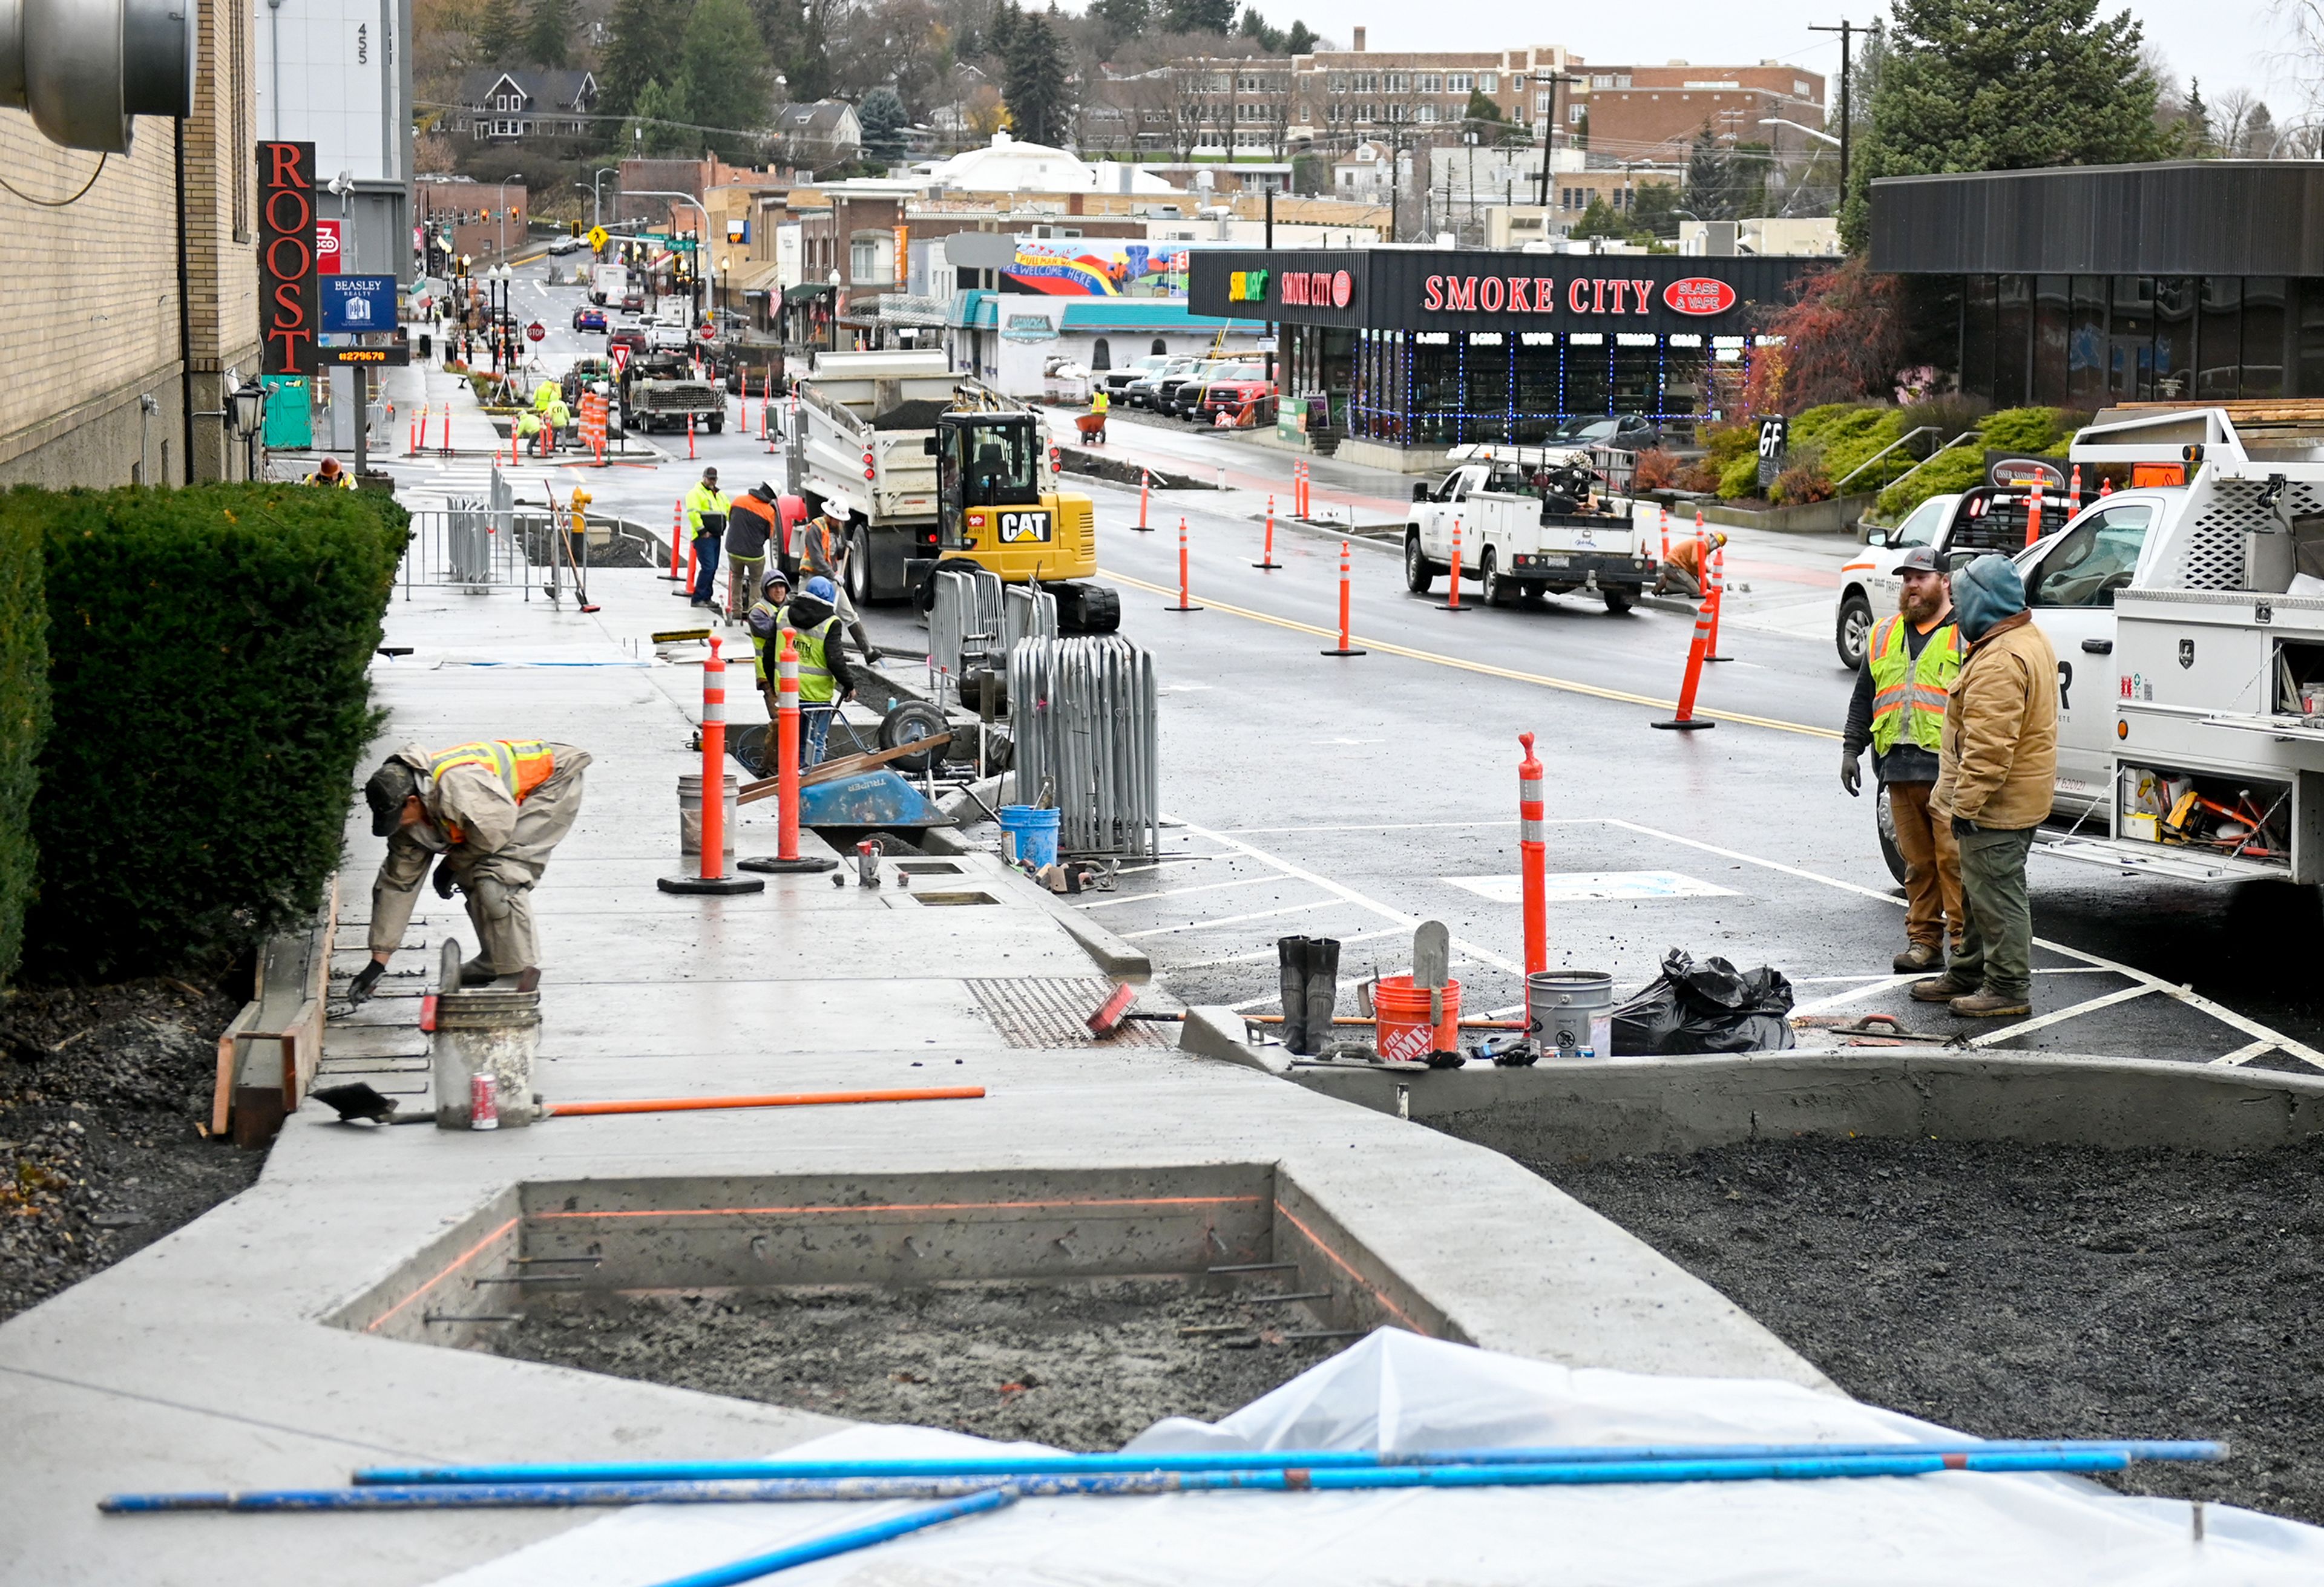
(576, 228)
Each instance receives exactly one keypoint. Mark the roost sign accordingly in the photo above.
(287, 298)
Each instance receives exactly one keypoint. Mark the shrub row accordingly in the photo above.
(208, 656)
(23, 725)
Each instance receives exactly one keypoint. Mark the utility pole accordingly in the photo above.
(1845, 29)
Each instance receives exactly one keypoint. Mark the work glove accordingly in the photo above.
(366, 979)
(1852, 775)
(445, 880)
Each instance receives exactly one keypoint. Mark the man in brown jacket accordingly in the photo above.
(1997, 768)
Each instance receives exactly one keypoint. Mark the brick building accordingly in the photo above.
(112, 354)
(470, 219)
(1654, 113)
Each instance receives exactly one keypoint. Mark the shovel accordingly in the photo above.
(1431, 959)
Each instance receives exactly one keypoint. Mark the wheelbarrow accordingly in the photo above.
(1092, 427)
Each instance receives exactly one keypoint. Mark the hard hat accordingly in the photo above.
(822, 588)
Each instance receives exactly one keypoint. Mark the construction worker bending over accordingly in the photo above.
(1899, 709)
(827, 554)
(1683, 572)
(492, 810)
(751, 521)
(826, 680)
(706, 514)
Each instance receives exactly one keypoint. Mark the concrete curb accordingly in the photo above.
(1214, 1031)
(1633, 1106)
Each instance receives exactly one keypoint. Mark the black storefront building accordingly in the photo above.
(1421, 349)
(2081, 288)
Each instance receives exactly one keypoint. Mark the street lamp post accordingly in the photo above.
(835, 308)
(596, 195)
(725, 298)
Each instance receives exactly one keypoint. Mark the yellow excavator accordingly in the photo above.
(999, 505)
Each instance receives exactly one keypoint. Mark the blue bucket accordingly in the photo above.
(1029, 834)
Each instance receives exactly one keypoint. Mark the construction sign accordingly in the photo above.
(592, 421)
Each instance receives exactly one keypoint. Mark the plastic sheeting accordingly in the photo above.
(1396, 1390)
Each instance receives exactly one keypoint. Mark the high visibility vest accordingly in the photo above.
(521, 765)
(817, 686)
(1908, 697)
(764, 614)
(1100, 402)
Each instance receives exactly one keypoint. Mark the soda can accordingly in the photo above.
(867, 864)
(483, 1107)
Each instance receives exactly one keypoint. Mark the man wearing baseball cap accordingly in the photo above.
(1899, 709)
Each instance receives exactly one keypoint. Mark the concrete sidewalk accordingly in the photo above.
(289, 1334)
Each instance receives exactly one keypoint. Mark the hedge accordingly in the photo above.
(2044, 430)
(24, 726)
(208, 655)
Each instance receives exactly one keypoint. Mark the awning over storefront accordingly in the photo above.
(801, 294)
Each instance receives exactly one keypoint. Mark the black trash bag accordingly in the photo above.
(1710, 1007)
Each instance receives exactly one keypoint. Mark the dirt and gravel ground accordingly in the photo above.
(1084, 1366)
(103, 1091)
(2026, 1292)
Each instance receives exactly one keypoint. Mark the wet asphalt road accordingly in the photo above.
(1352, 797)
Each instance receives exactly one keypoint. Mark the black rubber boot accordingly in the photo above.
(478, 972)
(1322, 990)
(1291, 952)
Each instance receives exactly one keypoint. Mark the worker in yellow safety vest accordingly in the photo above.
(491, 810)
(1899, 711)
(825, 679)
(705, 515)
(766, 620)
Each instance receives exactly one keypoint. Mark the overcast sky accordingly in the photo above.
(2220, 42)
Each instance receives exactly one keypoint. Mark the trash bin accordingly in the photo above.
(427, 346)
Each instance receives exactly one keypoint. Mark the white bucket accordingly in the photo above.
(1567, 1010)
(690, 813)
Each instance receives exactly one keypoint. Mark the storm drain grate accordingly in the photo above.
(1049, 1011)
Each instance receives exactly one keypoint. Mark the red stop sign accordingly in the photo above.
(535, 331)
(708, 333)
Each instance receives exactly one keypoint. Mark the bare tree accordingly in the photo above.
(2300, 24)
(2241, 125)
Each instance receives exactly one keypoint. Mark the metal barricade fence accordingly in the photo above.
(1027, 611)
(464, 546)
(1083, 714)
(964, 621)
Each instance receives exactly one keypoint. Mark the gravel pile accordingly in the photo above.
(104, 1092)
(1084, 1366)
(2028, 1292)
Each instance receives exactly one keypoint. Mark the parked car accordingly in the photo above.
(1116, 382)
(563, 245)
(585, 318)
(1630, 432)
(1143, 391)
(631, 336)
(1168, 389)
(1231, 390)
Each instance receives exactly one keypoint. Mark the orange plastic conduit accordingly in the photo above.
(792, 1099)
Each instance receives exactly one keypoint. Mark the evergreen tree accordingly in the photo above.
(2194, 129)
(1122, 19)
(1300, 40)
(1036, 85)
(650, 131)
(638, 44)
(500, 33)
(1654, 209)
(1710, 179)
(1599, 220)
(2003, 84)
(1198, 16)
(883, 120)
(548, 33)
(1001, 38)
(723, 77)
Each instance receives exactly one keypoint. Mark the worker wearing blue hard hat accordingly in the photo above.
(826, 680)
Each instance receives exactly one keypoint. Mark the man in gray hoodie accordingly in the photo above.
(1997, 774)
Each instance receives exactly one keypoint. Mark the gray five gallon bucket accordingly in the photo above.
(485, 1032)
(1567, 1010)
(690, 813)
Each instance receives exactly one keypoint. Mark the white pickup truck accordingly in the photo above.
(2187, 611)
(1521, 538)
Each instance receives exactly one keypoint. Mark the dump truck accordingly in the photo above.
(1532, 523)
(923, 465)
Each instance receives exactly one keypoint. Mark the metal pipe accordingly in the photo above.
(1244, 1460)
(568, 1495)
(799, 1554)
(792, 1100)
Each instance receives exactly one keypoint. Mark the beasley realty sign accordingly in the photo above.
(352, 305)
(287, 306)
(1474, 290)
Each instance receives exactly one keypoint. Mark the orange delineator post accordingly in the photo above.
(778, 1099)
(677, 534)
(1185, 601)
(2033, 513)
(1452, 603)
(1145, 485)
(1665, 518)
(1686, 720)
(787, 746)
(693, 565)
(1266, 555)
(1715, 564)
(689, 438)
(447, 430)
(713, 764)
(419, 420)
(1346, 647)
(1533, 858)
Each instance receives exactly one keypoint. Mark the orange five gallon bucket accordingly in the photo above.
(1403, 1014)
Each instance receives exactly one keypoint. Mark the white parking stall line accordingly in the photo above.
(2192, 999)
(1232, 919)
(2058, 1015)
(1348, 895)
(1379, 827)
(1176, 892)
(2244, 1055)
(1854, 994)
(1267, 954)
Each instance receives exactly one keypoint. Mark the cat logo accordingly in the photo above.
(1025, 529)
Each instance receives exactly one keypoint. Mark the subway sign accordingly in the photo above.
(1247, 286)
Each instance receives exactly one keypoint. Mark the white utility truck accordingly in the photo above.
(2187, 611)
(608, 283)
(1530, 526)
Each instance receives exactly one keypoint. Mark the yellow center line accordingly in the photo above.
(1484, 669)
